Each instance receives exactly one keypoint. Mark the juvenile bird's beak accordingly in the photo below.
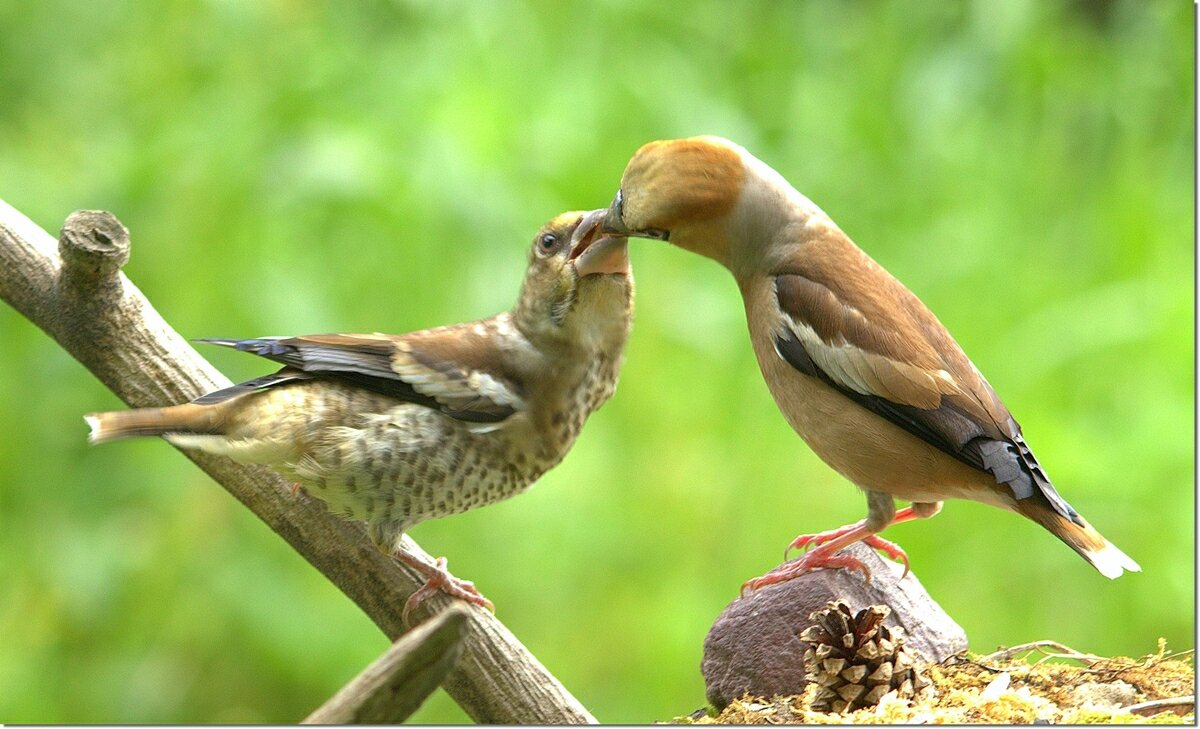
(594, 252)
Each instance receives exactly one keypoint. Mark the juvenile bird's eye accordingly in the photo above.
(547, 243)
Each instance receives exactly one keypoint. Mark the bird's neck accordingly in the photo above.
(770, 220)
(564, 401)
(595, 319)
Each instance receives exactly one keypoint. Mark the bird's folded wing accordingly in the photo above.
(456, 369)
(847, 322)
(860, 331)
(275, 379)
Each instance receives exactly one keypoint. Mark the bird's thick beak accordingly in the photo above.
(592, 251)
(612, 222)
(614, 225)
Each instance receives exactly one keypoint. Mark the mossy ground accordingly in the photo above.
(971, 689)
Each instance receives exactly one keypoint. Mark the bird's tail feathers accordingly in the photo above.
(1082, 537)
(183, 419)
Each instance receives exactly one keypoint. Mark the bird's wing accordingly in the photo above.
(457, 369)
(851, 324)
(282, 377)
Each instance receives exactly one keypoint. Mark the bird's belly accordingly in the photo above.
(868, 450)
(405, 464)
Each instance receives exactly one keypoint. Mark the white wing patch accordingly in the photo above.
(504, 326)
(869, 373)
(459, 389)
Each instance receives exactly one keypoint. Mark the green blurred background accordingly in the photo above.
(296, 167)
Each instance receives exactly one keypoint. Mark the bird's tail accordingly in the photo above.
(1082, 537)
(188, 418)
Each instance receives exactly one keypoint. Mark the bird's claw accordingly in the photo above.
(804, 541)
(891, 549)
(807, 563)
(440, 580)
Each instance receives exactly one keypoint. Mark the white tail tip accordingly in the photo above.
(1112, 562)
(93, 422)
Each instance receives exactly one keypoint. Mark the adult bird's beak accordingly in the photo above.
(594, 252)
(612, 222)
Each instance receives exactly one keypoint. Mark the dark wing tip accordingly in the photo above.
(282, 377)
(263, 347)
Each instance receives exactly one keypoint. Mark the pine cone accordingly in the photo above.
(855, 659)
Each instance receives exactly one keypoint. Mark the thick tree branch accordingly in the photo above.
(77, 294)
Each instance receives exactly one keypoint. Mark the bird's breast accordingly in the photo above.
(565, 406)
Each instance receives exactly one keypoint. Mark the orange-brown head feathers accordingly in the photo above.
(679, 190)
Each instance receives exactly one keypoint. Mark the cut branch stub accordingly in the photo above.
(93, 243)
(389, 690)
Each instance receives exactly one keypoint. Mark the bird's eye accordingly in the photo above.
(547, 243)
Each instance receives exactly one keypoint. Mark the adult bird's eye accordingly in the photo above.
(547, 242)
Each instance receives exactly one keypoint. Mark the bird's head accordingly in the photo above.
(680, 190)
(579, 285)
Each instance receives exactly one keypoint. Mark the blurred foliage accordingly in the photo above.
(292, 167)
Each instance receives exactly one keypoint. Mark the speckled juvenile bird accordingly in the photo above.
(396, 429)
(861, 369)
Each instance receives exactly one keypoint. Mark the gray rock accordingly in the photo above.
(1104, 695)
(754, 645)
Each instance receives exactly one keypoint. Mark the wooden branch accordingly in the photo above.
(77, 294)
(1181, 705)
(1040, 646)
(389, 690)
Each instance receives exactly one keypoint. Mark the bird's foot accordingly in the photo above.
(804, 541)
(439, 579)
(296, 486)
(817, 559)
(826, 555)
(891, 549)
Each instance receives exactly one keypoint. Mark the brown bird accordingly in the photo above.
(861, 369)
(396, 429)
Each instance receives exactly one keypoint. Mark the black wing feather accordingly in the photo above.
(281, 377)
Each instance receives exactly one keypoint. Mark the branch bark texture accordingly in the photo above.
(390, 689)
(75, 292)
